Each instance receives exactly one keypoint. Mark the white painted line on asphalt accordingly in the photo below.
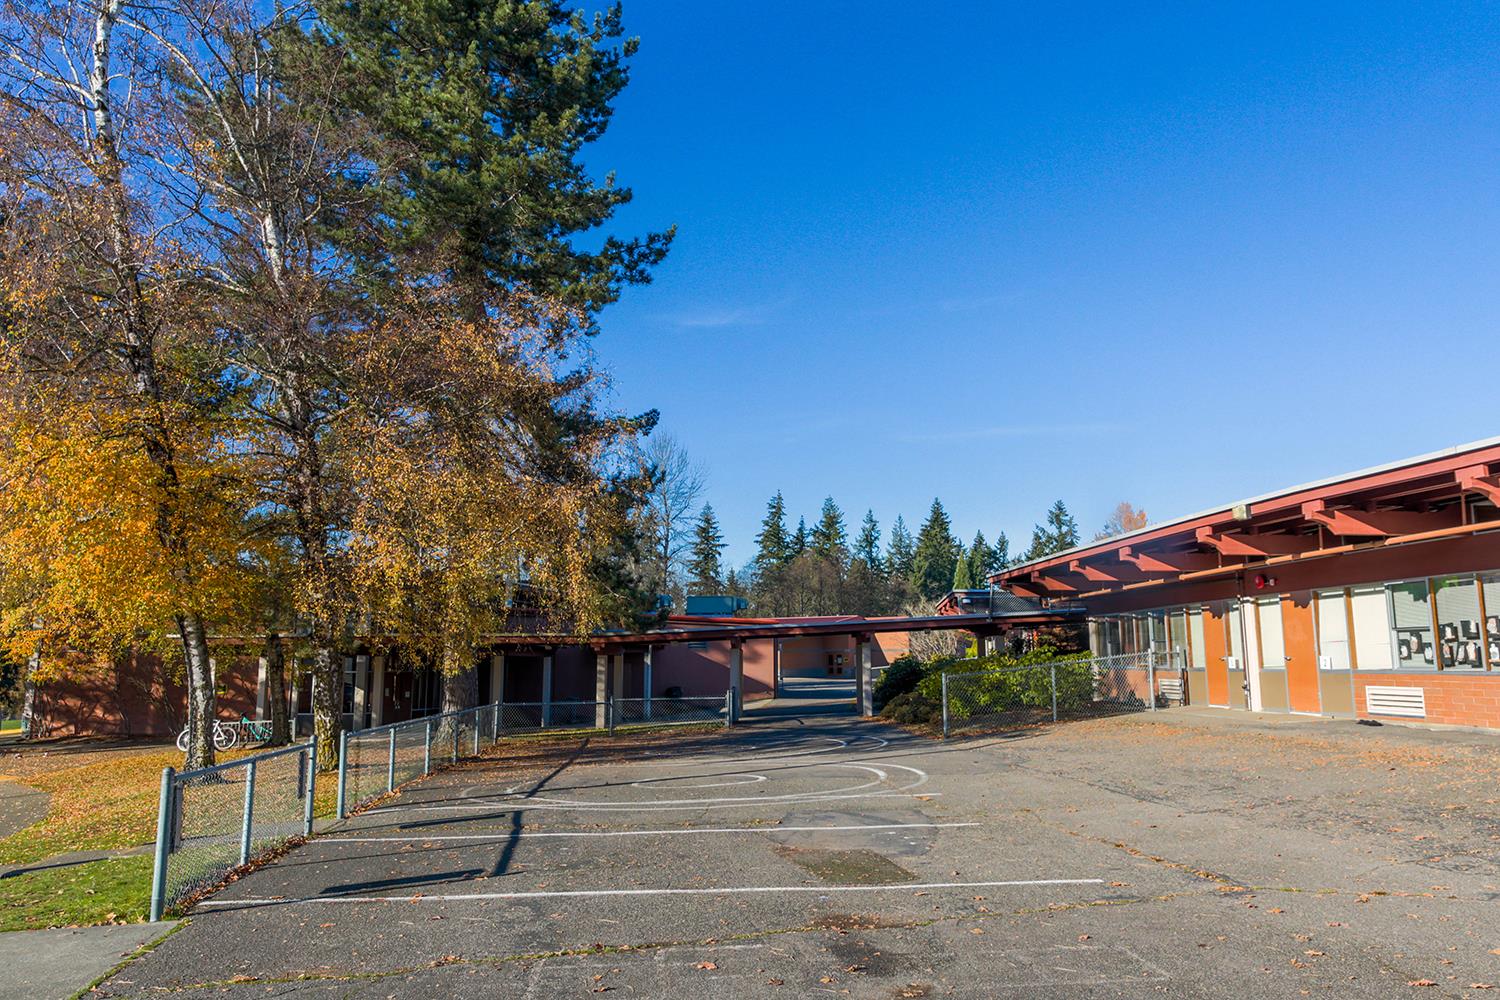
(528, 805)
(597, 893)
(677, 832)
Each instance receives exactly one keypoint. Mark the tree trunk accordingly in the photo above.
(327, 706)
(28, 696)
(460, 680)
(202, 703)
(275, 655)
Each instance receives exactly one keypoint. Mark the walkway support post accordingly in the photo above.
(864, 660)
(646, 683)
(163, 840)
(736, 678)
(547, 691)
(601, 690)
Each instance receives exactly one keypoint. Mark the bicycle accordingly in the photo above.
(226, 737)
(258, 730)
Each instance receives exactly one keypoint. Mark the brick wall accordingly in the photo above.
(1453, 698)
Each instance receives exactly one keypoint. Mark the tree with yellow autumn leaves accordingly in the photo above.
(284, 355)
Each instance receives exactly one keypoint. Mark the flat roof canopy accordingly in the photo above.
(740, 632)
(1442, 495)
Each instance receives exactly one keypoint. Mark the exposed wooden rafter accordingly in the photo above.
(1351, 523)
(1167, 563)
(1246, 545)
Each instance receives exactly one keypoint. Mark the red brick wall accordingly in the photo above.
(1453, 698)
(132, 696)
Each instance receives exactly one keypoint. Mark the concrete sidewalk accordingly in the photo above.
(56, 964)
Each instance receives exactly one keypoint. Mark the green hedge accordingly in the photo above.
(911, 690)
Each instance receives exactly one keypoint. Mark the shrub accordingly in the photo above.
(897, 679)
(912, 709)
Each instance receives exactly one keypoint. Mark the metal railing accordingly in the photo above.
(214, 819)
(668, 711)
(374, 762)
(1078, 688)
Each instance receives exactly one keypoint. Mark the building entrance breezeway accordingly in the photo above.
(798, 697)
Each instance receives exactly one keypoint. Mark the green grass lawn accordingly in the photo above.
(106, 803)
(101, 892)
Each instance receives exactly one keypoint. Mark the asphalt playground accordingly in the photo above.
(811, 853)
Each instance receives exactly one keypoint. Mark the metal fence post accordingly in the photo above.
(609, 715)
(729, 708)
(248, 823)
(390, 764)
(343, 770)
(477, 728)
(944, 676)
(163, 839)
(1151, 678)
(312, 786)
(455, 739)
(427, 748)
(1052, 669)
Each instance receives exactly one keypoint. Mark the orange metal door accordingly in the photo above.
(1215, 651)
(1301, 653)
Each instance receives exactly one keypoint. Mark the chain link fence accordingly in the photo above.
(1081, 688)
(668, 711)
(214, 819)
(517, 717)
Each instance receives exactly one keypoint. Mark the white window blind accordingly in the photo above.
(1195, 633)
(1372, 628)
(1272, 642)
(1333, 631)
(1459, 628)
(1411, 618)
(1236, 634)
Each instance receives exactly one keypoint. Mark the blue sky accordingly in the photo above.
(1015, 253)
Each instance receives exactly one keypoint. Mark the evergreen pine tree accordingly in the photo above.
(829, 539)
(488, 108)
(704, 566)
(999, 554)
(774, 548)
(1057, 534)
(867, 544)
(936, 553)
(799, 540)
(898, 555)
(963, 569)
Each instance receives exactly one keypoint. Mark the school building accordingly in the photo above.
(1374, 594)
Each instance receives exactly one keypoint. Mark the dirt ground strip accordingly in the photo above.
(1163, 856)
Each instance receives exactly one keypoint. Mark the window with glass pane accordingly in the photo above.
(1460, 632)
(1272, 643)
(1333, 630)
(1179, 640)
(1158, 621)
(1369, 607)
(1195, 632)
(1411, 621)
(1236, 636)
(1492, 619)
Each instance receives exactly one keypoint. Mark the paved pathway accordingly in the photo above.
(52, 965)
(20, 806)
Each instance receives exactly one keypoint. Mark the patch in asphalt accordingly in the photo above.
(856, 867)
